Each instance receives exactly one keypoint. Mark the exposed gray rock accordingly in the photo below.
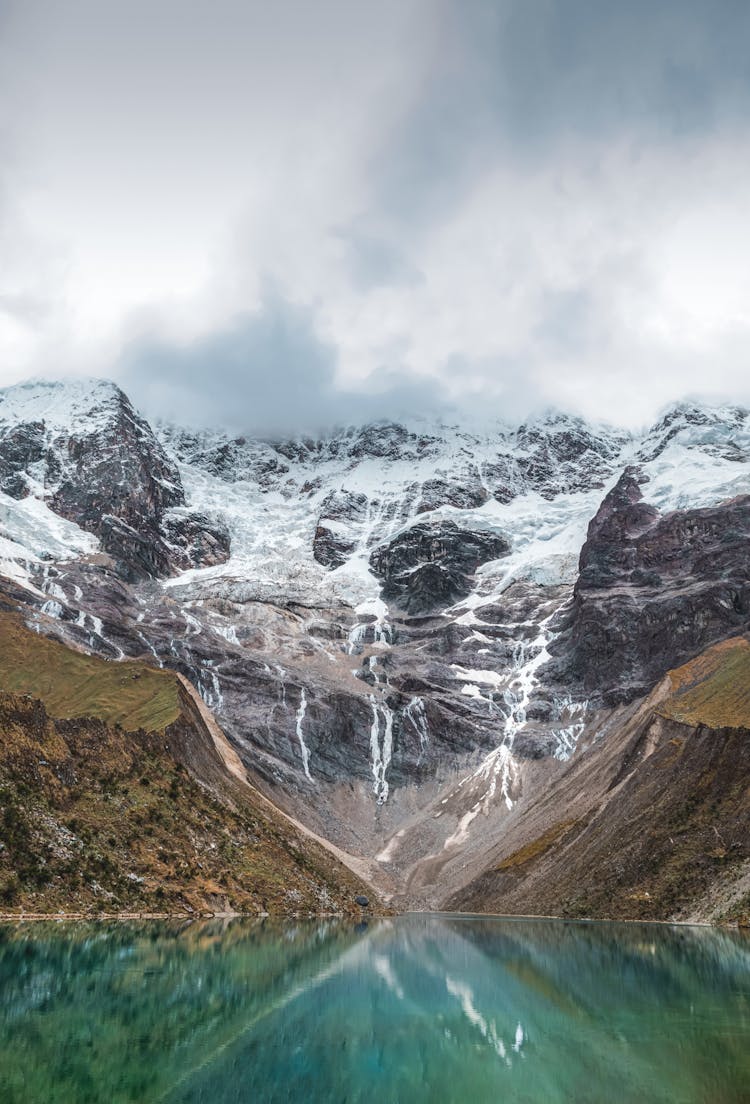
(561, 455)
(336, 534)
(195, 540)
(464, 495)
(653, 591)
(431, 564)
(21, 446)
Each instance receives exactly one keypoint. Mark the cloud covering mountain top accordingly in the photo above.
(288, 215)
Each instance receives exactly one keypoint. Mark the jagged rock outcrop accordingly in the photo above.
(720, 432)
(390, 441)
(115, 481)
(466, 493)
(342, 514)
(195, 540)
(430, 565)
(653, 590)
(232, 459)
(564, 454)
(21, 446)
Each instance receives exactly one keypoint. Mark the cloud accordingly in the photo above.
(494, 202)
(518, 81)
(266, 372)
(374, 261)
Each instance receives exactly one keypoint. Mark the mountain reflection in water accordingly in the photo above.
(417, 1008)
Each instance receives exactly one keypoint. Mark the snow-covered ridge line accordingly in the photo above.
(83, 405)
(537, 484)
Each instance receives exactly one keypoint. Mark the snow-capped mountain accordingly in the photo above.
(79, 451)
(405, 629)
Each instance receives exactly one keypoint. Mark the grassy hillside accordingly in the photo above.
(714, 689)
(72, 684)
(113, 798)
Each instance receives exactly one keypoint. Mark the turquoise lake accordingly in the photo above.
(431, 1008)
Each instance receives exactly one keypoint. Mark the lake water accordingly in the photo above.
(418, 1008)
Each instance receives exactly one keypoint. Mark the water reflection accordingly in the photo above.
(436, 1008)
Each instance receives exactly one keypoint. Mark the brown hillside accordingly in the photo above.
(713, 689)
(115, 796)
(652, 820)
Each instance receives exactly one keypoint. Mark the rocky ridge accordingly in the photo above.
(655, 821)
(653, 589)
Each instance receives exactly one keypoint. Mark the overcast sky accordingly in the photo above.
(277, 215)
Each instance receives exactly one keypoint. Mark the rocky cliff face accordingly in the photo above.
(653, 590)
(432, 564)
(84, 451)
(405, 630)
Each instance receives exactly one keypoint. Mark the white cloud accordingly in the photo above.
(504, 204)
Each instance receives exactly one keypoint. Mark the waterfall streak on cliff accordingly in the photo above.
(300, 736)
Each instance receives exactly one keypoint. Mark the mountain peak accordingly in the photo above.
(698, 412)
(62, 403)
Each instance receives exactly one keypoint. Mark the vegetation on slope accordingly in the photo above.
(127, 805)
(666, 832)
(72, 684)
(714, 689)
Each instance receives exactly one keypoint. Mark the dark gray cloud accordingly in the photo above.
(595, 67)
(266, 372)
(514, 79)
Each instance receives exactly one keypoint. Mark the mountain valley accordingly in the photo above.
(494, 668)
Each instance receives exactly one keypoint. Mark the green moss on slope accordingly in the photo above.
(714, 689)
(72, 684)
